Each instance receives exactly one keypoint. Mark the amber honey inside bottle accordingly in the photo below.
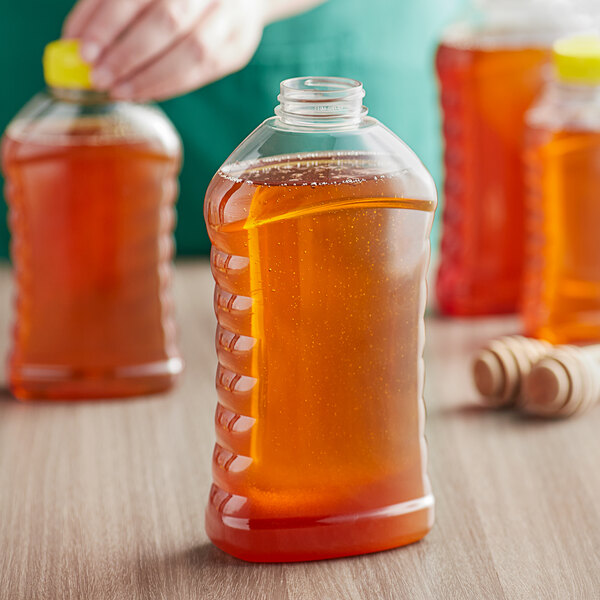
(91, 187)
(562, 300)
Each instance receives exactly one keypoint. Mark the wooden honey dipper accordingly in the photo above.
(499, 367)
(564, 382)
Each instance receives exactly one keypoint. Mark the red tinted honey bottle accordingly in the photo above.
(562, 292)
(320, 226)
(90, 186)
(490, 70)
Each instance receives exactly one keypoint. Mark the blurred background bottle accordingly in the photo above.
(562, 283)
(90, 185)
(490, 68)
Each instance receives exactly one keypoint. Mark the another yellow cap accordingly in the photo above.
(577, 59)
(64, 67)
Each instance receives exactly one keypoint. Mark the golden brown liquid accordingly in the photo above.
(320, 270)
(562, 300)
(484, 94)
(91, 247)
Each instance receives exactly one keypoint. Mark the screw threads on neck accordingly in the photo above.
(321, 102)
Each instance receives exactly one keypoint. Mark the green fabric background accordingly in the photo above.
(386, 44)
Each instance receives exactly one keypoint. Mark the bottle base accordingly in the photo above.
(304, 539)
(34, 382)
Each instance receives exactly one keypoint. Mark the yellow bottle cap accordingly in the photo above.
(577, 59)
(64, 67)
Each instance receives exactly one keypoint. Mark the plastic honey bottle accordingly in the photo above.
(562, 292)
(490, 69)
(90, 185)
(320, 226)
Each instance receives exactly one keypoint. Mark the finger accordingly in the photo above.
(156, 29)
(78, 17)
(183, 66)
(109, 20)
(219, 45)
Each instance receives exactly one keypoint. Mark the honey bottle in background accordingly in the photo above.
(91, 186)
(490, 70)
(562, 291)
(320, 226)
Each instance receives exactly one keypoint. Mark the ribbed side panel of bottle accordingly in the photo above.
(237, 384)
(458, 242)
(166, 255)
(534, 305)
(21, 263)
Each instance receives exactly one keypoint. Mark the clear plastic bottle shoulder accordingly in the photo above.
(364, 151)
(47, 120)
(566, 107)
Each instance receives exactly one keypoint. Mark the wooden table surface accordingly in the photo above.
(105, 500)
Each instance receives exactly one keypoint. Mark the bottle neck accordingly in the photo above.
(577, 92)
(79, 96)
(321, 102)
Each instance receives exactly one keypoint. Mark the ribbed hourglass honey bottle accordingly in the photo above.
(320, 249)
(91, 186)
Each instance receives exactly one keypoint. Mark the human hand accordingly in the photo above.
(156, 49)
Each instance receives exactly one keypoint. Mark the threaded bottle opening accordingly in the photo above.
(321, 101)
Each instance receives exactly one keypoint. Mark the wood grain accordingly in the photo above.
(105, 500)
